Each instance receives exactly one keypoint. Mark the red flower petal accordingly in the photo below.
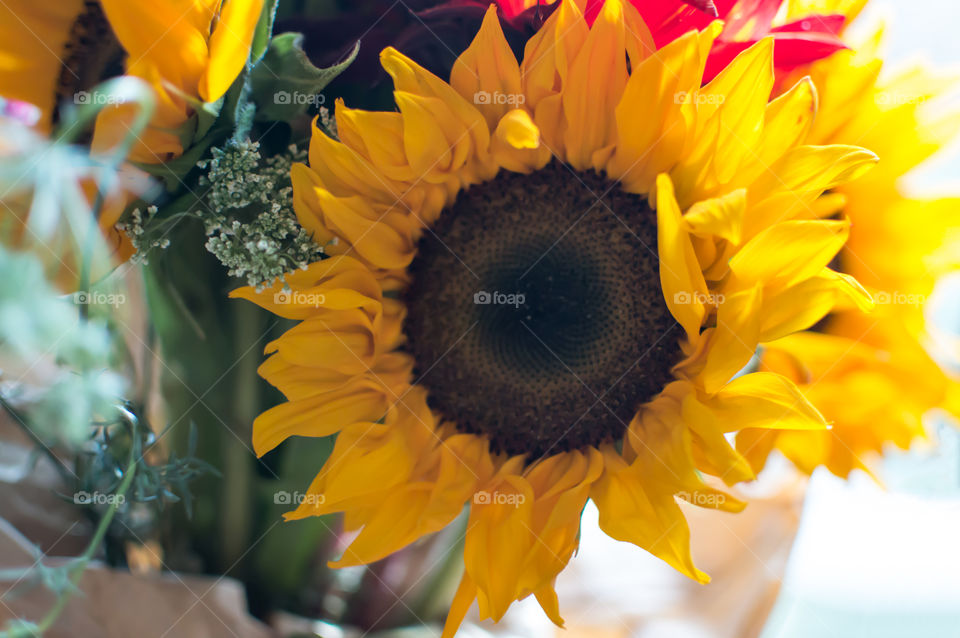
(666, 19)
(747, 19)
(825, 24)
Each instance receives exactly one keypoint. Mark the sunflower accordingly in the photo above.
(50, 52)
(544, 279)
(865, 372)
(42, 44)
(188, 51)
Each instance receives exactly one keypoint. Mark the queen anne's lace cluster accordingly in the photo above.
(137, 228)
(252, 228)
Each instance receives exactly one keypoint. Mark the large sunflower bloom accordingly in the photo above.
(871, 376)
(544, 278)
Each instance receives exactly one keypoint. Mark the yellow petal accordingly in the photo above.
(495, 543)
(764, 400)
(786, 123)
(735, 339)
(518, 130)
(721, 217)
(798, 307)
(410, 77)
(338, 283)
(462, 600)
(680, 277)
(382, 237)
(34, 35)
(547, 597)
(487, 73)
(652, 126)
(517, 146)
(170, 36)
(378, 137)
(550, 52)
(593, 89)
(711, 449)
(343, 171)
(318, 416)
(430, 135)
(739, 95)
(344, 341)
(637, 510)
(639, 41)
(813, 168)
(229, 46)
(790, 251)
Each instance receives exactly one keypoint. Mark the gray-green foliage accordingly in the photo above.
(42, 331)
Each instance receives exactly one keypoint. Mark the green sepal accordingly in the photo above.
(285, 81)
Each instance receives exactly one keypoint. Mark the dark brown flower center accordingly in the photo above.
(535, 314)
(91, 55)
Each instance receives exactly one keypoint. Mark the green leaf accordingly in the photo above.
(244, 111)
(263, 31)
(285, 82)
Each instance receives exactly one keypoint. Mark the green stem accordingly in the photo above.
(61, 468)
(78, 567)
(238, 480)
(93, 232)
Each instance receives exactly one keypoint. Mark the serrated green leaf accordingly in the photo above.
(285, 82)
(263, 31)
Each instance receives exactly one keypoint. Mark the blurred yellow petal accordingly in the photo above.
(229, 46)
